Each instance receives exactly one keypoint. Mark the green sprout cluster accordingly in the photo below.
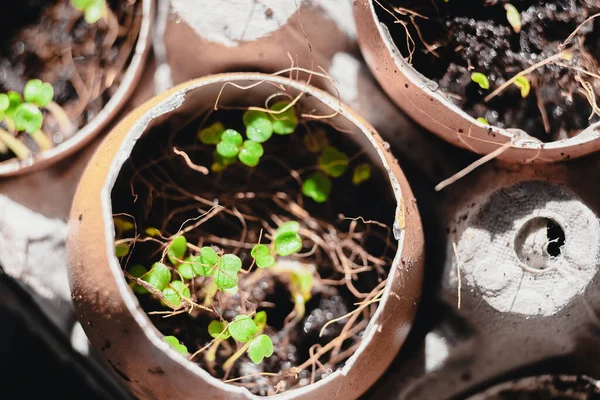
(244, 329)
(22, 113)
(222, 269)
(92, 9)
(333, 163)
(260, 126)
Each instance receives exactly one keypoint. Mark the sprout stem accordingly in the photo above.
(14, 144)
(41, 139)
(3, 148)
(61, 117)
(227, 365)
(10, 125)
(231, 360)
(211, 354)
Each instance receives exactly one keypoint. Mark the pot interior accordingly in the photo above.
(159, 188)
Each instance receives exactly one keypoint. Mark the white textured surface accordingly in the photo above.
(32, 250)
(489, 263)
(233, 22)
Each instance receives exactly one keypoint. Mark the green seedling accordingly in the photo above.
(230, 144)
(333, 162)
(92, 10)
(159, 276)
(259, 126)
(362, 173)
(288, 243)
(176, 345)
(250, 153)
(513, 17)
(212, 134)
(481, 80)
(246, 330)
(177, 249)
(175, 292)
(523, 84)
(262, 255)
(317, 187)
(226, 274)
(284, 122)
(121, 250)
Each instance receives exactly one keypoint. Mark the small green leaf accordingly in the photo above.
(243, 328)
(28, 118)
(317, 187)
(286, 122)
(362, 173)
(513, 17)
(4, 102)
(226, 275)
(523, 83)
(483, 121)
(174, 291)
(152, 232)
(481, 80)
(177, 249)
(122, 225)
(159, 276)
(288, 243)
(259, 127)
(138, 271)
(218, 330)
(14, 101)
(315, 141)
(333, 162)
(81, 4)
(260, 347)
(186, 269)
(38, 92)
(212, 134)
(121, 250)
(175, 344)
(205, 263)
(230, 147)
(250, 153)
(289, 226)
(94, 11)
(262, 254)
(260, 319)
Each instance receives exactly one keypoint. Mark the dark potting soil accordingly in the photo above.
(162, 187)
(475, 36)
(51, 41)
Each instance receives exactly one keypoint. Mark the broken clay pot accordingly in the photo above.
(109, 311)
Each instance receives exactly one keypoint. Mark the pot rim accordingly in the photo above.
(175, 99)
(429, 87)
(83, 136)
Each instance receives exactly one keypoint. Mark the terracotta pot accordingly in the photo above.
(110, 313)
(419, 98)
(116, 103)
